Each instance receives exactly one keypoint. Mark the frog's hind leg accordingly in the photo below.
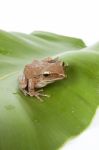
(23, 84)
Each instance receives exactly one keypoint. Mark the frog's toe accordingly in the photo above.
(44, 95)
(39, 98)
(24, 92)
(41, 90)
(39, 95)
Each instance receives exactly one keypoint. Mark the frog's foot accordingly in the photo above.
(24, 91)
(37, 94)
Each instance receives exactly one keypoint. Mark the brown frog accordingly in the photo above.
(39, 74)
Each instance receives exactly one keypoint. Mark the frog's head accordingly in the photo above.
(53, 71)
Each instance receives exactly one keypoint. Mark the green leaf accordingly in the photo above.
(26, 123)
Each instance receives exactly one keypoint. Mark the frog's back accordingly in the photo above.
(33, 70)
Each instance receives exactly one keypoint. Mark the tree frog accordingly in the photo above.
(39, 74)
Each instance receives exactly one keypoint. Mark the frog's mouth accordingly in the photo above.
(55, 79)
(59, 77)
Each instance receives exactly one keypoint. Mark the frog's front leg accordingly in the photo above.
(33, 92)
(23, 84)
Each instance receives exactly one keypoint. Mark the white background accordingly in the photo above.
(78, 18)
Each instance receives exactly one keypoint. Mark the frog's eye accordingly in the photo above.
(46, 73)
